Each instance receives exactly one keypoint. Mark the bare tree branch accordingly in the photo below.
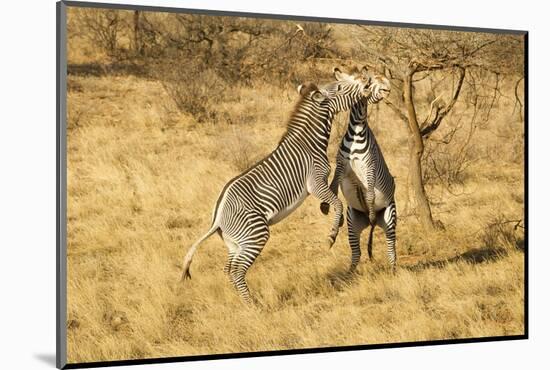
(440, 113)
(396, 110)
(518, 100)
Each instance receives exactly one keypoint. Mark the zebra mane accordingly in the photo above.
(304, 100)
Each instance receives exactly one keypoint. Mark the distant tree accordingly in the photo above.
(237, 48)
(102, 27)
(198, 57)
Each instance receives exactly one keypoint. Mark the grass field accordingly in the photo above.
(143, 179)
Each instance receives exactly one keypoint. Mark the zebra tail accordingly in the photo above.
(191, 252)
(369, 244)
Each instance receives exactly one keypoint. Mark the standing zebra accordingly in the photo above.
(363, 175)
(273, 188)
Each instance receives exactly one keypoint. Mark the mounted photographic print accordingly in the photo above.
(234, 184)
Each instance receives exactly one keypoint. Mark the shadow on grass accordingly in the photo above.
(474, 256)
(520, 244)
(341, 279)
(113, 69)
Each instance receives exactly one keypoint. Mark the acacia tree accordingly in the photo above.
(410, 56)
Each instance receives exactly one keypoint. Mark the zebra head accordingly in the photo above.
(378, 85)
(347, 90)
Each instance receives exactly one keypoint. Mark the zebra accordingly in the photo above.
(364, 178)
(274, 187)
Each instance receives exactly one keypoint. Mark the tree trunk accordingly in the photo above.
(137, 34)
(416, 150)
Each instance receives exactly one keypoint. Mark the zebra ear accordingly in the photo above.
(365, 74)
(338, 74)
(307, 88)
(318, 96)
(311, 90)
(341, 76)
(387, 73)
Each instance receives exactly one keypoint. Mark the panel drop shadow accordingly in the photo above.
(47, 358)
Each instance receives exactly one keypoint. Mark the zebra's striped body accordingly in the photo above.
(277, 185)
(365, 180)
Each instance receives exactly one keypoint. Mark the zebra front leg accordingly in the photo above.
(325, 206)
(357, 222)
(388, 222)
(335, 183)
(322, 192)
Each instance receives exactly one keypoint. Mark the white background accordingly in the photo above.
(27, 182)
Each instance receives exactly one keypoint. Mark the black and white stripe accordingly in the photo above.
(364, 177)
(277, 185)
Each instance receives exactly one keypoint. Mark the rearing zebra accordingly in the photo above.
(363, 175)
(278, 184)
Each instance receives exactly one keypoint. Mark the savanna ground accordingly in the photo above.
(143, 178)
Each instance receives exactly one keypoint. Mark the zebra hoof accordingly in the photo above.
(325, 207)
(329, 242)
(185, 276)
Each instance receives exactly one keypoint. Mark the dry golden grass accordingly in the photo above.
(142, 183)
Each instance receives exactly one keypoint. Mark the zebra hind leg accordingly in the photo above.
(232, 250)
(243, 250)
(388, 222)
(227, 267)
(357, 222)
(238, 267)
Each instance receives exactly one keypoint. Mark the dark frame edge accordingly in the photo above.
(526, 180)
(61, 185)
